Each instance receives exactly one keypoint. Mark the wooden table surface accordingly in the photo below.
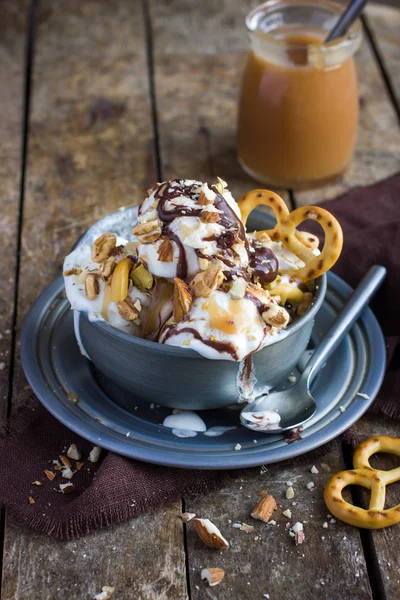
(100, 99)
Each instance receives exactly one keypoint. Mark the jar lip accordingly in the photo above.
(351, 36)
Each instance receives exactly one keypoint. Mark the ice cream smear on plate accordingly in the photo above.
(191, 276)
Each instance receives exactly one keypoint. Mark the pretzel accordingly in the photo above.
(376, 516)
(295, 241)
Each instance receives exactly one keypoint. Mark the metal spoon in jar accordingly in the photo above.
(280, 411)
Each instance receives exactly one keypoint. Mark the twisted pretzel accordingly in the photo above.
(285, 231)
(376, 516)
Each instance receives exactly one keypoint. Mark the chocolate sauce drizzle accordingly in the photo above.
(167, 193)
(220, 347)
(264, 263)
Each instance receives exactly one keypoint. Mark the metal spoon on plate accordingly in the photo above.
(280, 411)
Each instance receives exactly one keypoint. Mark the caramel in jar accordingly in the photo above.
(298, 109)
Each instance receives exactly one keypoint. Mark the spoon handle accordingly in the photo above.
(355, 305)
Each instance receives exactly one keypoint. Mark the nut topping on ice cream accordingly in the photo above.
(191, 276)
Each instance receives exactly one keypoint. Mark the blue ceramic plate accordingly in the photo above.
(54, 367)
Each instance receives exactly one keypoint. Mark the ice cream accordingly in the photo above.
(190, 276)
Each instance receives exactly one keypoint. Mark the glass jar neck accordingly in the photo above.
(292, 33)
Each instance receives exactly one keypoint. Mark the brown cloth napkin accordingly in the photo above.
(116, 488)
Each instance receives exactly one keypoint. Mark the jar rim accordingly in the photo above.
(351, 37)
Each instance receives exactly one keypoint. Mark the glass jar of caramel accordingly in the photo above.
(298, 108)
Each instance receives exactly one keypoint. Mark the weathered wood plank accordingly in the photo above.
(384, 23)
(90, 151)
(385, 540)
(378, 139)
(199, 56)
(199, 53)
(13, 32)
(142, 558)
(267, 561)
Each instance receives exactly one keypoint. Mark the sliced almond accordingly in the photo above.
(127, 310)
(92, 286)
(31, 500)
(79, 465)
(207, 281)
(65, 461)
(214, 576)
(147, 232)
(182, 299)
(165, 251)
(102, 247)
(210, 216)
(209, 534)
(264, 509)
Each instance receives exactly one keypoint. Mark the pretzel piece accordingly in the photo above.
(301, 244)
(376, 516)
(315, 265)
(251, 200)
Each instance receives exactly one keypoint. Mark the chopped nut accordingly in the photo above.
(203, 264)
(141, 278)
(67, 473)
(207, 281)
(209, 534)
(290, 493)
(314, 470)
(36, 483)
(246, 528)
(95, 454)
(297, 529)
(287, 513)
(102, 247)
(203, 200)
(108, 267)
(275, 315)
(92, 286)
(79, 465)
(221, 185)
(31, 500)
(186, 517)
(73, 271)
(182, 299)
(213, 576)
(238, 447)
(73, 452)
(105, 594)
(66, 488)
(65, 461)
(210, 216)
(49, 474)
(264, 509)
(310, 485)
(263, 493)
(127, 309)
(147, 232)
(166, 251)
(238, 289)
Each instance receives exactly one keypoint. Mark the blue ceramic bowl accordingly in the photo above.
(180, 377)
